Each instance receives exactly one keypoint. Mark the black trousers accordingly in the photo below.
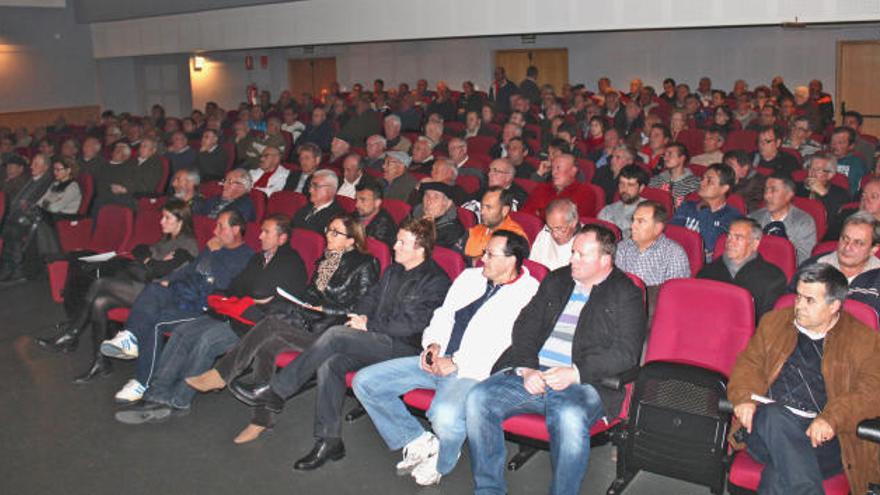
(338, 351)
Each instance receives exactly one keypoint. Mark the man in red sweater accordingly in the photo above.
(562, 185)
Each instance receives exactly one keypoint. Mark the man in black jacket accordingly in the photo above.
(386, 323)
(322, 203)
(742, 265)
(212, 159)
(378, 223)
(586, 322)
(194, 345)
(22, 217)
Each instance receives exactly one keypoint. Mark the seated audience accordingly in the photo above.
(387, 322)
(710, 215)
(608, 177)
(749, 182)
(422, 160)
(62, 199)
(23, 213)
(631, 181)
(234, 196)
(394, 141)
(319, 131)
(842, 146)
(179, 154)
(309, 160)
(781, 218)
(676, 177)
(322, 203)
(269, 177)
(769, 154)
(87, 300)
(713, 140)
(501, 174)
(799, 137)
(195, 344)
(353, 175)
(466, 336)
(176, 298)
(14, 178)
(742, 265)
(376, 146)
(554, 367)
(552, 246)
(399, 183)
(184, 186)
(822, 167)
(562, 185)
(816, 359)
(438, 207)
(376, 220)
(494, 216)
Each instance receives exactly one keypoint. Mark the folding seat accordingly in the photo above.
(87, 189)
(598, 197)
(479, 161)
(450, 261)
(745, 472)
(113, 228)
(816, 209)
(453, 128)
(204, 229)
(691, 242)
(587, 168)
(697, 170)
(824, 247)
(381, 252)
(480, 144)
(675, 427)
(692, 139)
(527, 184)
(252, 236)
(595, 221)
(310, 246)
(660, 196)
(773, 249)
(162, 185)
(470, 183)
(258, 198)
(146, 229)
(286, 202)
(737, 201)
(347, 204)
(530, 224)
(741, 140)
(466, 217)
(397, 209)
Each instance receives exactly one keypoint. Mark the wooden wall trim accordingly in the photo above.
(36, 118)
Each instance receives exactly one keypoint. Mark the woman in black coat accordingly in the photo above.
(342, 275)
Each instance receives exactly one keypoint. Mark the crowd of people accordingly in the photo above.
(518, 181)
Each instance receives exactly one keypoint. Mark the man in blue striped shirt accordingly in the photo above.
(585, 323)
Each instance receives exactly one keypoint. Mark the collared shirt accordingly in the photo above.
(831, 259)
(546, 252)
(349, 189)
(661, 261)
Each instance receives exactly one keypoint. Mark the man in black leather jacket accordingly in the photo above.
(378, 222)
(586, 322)
(386, 323)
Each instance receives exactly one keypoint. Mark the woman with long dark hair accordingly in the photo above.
(342, 275)
(177, 246)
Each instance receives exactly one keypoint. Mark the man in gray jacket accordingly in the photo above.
(780, 217)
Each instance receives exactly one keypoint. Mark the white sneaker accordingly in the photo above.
(132, 391)
(123, 346)
(417, 452)
(425, 474)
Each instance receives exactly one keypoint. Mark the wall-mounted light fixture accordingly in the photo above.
(198, 63)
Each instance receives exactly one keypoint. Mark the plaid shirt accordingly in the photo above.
(662, 261)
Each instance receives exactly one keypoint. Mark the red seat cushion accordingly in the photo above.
(119, 315)
(745, 472)
(285, 358)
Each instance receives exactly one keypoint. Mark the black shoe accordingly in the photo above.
(66, 340)
(149, 412)
(101, 366)
(325, 449)
(258, 395)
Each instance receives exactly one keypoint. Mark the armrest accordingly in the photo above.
(617, 382)
(869, 429)
(725, 406)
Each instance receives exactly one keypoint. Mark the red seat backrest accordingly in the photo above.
(530, 224)
(87, 190)
(347, 204)
(480, 144)
(380, 251)
(660, 196)
(229, 149)
(824, 247)
(815, 209)
(466, 217)
(113, 229)
(397, 209)
(286, 202)
(741, 140)
(737, 201)
(310, 246)
(596, 221)
(258, 198)
(210, 189)
(691, 242)
(450, 261)
(252, 236)
(701, 323)
(692, 139)
(146, 228)
(204, 229)
(587, 168)
(528, 185)
(537, 270)
(773, 249)
(166, 172)
(861, 311)
(470, 183)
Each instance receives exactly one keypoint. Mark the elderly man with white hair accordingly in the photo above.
(394, 141)
(552, 246)
(376, 147)
(322, 203)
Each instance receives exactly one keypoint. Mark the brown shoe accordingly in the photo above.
(250, 433)
(207, 381)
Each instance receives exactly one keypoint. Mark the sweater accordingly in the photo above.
(800, 229)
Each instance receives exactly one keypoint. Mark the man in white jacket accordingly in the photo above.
(270, 177)
(464, 339)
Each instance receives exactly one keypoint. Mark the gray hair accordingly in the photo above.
(393, 118)
(626, 149)
(329, 175)
(865, 218)
(446, 162)
(193, 175)
(829, 159)
(571, 211)
(380, 138)
(755, 227)
(246, 181)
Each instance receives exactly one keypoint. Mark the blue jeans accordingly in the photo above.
(379, 388)
(569, 414)
(791, 464)
(154, 312)
(190, 351)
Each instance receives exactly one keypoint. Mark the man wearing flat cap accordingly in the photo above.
(437, 205)
(398, 182)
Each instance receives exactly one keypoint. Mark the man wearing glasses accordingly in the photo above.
(822, 167)
(770, 156)
(501, 174)
(466, 335)
(270, 177)
(552, 246)
(235, 195)
(799, 137)
(322, 203)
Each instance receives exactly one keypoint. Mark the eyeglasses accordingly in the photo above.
(496, 170)
(562, 229)
(313, 185)
(238, 182)
(336, 233)
(767, 141)
(490, 255)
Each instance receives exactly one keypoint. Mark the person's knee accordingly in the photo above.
(477, 402)
(446, 416)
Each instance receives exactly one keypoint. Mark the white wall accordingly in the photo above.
(345, 21)
(724, 54)
(45, 60)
